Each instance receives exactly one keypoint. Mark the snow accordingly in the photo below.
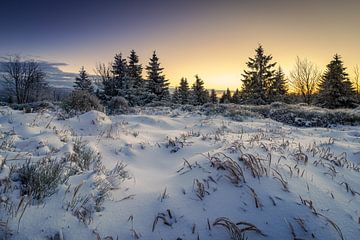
(165, 155)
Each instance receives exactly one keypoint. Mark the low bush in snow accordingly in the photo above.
(118, 105)
(297, 115)
(33, 106)
(40, 179)
(84, 157)
(82, 101)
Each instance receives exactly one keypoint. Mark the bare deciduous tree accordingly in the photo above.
(357, 79)
(304, 78)
(23, 78)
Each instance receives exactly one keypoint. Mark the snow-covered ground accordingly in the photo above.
(189, 177)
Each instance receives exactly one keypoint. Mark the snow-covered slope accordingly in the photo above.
(189, 177)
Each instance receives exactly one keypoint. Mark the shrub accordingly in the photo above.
(33, 106)
(118, 105)
(40, 179)
(82, 101)
(83, 157)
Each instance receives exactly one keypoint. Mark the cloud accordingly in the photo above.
(54, 75)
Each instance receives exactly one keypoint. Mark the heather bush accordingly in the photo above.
(82, 101)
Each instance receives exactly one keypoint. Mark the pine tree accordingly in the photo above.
(122, 83)
(223, 98)
(277, 89)
(226, 96)
(83, 82)
(184, 91)
(258, 78)
(199, 94)
(236, 97)
(335, 88)
(134, 70)
(213, 96)
(157, 86)
(176, 97)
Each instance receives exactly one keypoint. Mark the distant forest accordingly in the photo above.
(122, 83)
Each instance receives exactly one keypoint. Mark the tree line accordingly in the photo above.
(263, 82)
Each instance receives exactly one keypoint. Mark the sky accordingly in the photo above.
(213, 39)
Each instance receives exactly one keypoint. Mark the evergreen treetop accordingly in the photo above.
(184, 91)
(83, 82)
(199, 94)
(335, 88)
(213, 96)
(157, 85)
(257, 79)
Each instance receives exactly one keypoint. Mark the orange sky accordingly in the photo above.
(216, 43)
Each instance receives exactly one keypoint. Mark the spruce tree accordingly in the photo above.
(236, 97)
(223, 98)
(213, 96)
(157, 86)
(121, 81)
(83, 82)
(335, 88)
(184, 91)
(176, 97)
(277, 89)
(258, 78)
(200, 95)
(226, 96)
(134, 70)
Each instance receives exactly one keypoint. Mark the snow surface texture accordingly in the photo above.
(185, 172)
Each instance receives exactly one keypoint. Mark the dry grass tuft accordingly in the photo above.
(220, 161)
(258, 203)
(255, 164)
(236, 232)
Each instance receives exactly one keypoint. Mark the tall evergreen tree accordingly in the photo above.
(134, 71)
(236, 97)
(258, 78)
(121, 81)
(83, 82)
(335, 88)
(184, 91)
(199, 94)
(277, 88)
(157, 86)
(213, 96)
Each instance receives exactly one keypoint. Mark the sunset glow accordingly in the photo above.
(211, 38)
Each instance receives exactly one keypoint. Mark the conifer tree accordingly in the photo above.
(226, 96)
(121, 81)
(213, 96)
(184, 91)
(83, 82)
(199, 94)
(157, 86)
(335, 88)
(277, 89)
(258, 78)
(176, 97)
(236, 97)
(134, 71)
(223, 98)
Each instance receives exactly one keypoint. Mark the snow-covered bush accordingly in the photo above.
(304, 116)
(84, 157)
(82, 101)
(40, 179)
(118, 105)
(34, 106)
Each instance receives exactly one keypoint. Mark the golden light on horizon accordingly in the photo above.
(217, 43)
